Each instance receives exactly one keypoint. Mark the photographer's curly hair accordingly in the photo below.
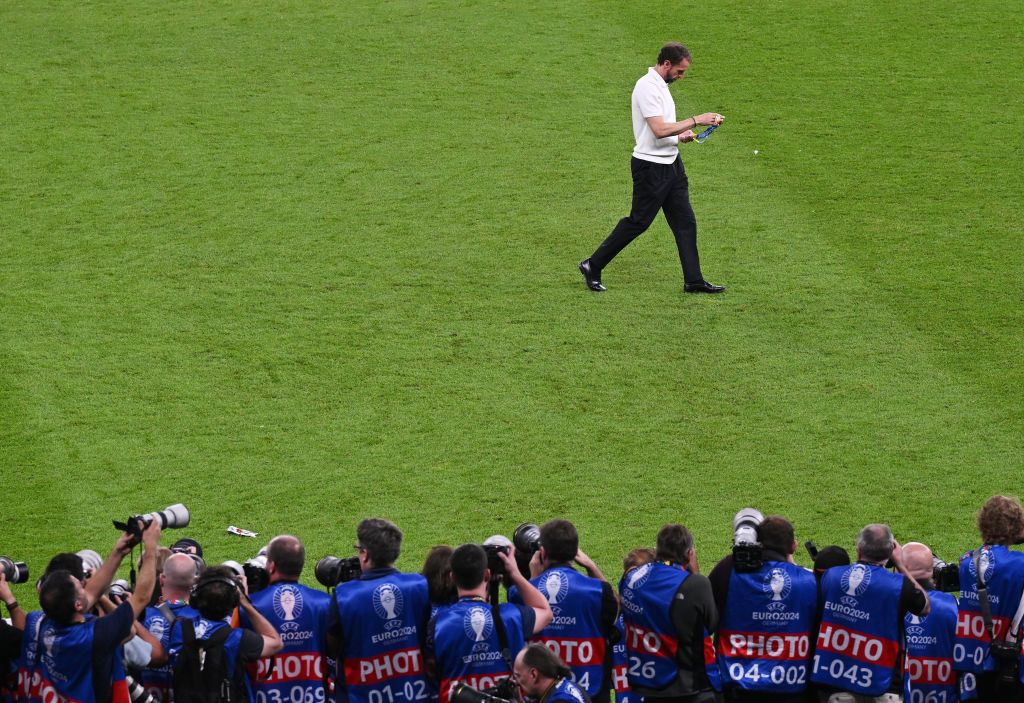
(1001, 521)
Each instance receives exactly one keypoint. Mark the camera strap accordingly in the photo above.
(986, 608)
(499, 626)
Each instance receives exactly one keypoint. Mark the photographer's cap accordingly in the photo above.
(498, 541)
(829, 557)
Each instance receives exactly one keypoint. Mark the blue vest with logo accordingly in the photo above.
(65, 664)
(1004, 576)
(859, 636)
(651, 645)
(575, 631)
(159, 681)
(620, 666)
(764, 635)
(466, 644)
(383, 622)
(565, 691)
(299, 614)
(27, 689)
(928, 673)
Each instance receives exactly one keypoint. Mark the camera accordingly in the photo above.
(91, 561)
(330, 571)
(747, 553)
(1007, 659)
(945, 576)
(256, 575)
(494, 562)
(526, 538)
(174, 517)
(461, 693)
(119, 590)
(14, 571)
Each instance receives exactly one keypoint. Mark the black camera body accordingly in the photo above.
(1007, 659)
(946, 576)
(494, 562)
(331, 571)
(14, 571)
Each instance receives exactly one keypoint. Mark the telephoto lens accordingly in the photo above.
(461, 693)
(527, 538)
(14, 571)
(172, 517)
(119, 590)
(331, 571)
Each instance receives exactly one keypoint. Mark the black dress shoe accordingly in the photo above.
(702, 287)
(593, 280)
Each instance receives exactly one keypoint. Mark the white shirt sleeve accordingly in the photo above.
(138, 652)
(650, 105)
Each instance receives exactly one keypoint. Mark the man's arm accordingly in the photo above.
(532, 598)
(143, 593)
(590, 565)
(99, 582)
(16, 611)
(662, 129)
(159, 655)
(261, 626)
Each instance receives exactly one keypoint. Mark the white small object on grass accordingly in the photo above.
(240, 532)
(755, 152)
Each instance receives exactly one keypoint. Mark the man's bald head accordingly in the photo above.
(918, 559)
(179, 575)
(285, 558)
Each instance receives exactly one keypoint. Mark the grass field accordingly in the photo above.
(297, 263)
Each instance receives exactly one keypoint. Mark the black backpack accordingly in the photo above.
(202, 674)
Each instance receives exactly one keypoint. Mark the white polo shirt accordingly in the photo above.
(651, 99)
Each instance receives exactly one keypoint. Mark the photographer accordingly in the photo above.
(620, 659)
(584, 608)
(176, 581)
(209, 654)
(862, 614)
(928, 673)
(767, 618)
(543, 677)
(377, 624)
(988, 645)
(10, 636)
(299, 614)
(79, 658)
(467, 643)
(669, 612)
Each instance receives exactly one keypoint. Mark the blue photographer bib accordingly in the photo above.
(466, 644)
(66, 667)
(28, 664)
(620, 665)
(928, 673)
(858, 639)
(575, 630)
(383, 622)
(651, 644)
(564, 691)
(159, 682)
(299, 614)
(1003, 572)
(764, 635)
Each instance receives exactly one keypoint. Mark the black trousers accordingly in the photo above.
(656, 187)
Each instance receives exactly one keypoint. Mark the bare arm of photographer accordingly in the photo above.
(17, 612)
(532, 598)
(271, 640)
(897, 560)
(146, 581)
(590, 565)
(99, 582)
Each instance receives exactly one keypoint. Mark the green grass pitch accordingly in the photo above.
(298, 263)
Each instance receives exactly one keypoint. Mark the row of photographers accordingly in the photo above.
(757, 628)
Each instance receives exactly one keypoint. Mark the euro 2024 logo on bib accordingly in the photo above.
(987, 561)
(288, 603)
(555, 587)
(637, 577)
(478, 626)
(388, 603)
(915, 625)
(855, 581)
(778, 583)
